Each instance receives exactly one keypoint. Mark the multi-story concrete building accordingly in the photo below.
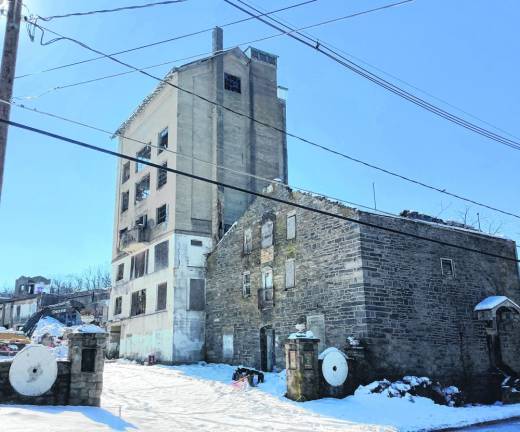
(165, 224)
(417, 307)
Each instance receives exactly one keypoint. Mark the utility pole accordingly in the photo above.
(12, 30)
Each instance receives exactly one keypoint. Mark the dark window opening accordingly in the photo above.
(163, 141)
(144, 155)
(162, 176)
(120, 271)
(447, 267)
(161, 255)
(126, 172)
(124, 201)
(118, 306)
(142, 189)
(232, 83)
(196, 297)
(246, 284)
(196, 243)
(138, 303)
(88, 360)
(161, 214)
(139, 265)
(161, 296)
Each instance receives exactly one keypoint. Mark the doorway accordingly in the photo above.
(267, 358)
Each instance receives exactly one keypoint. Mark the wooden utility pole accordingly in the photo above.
(12, 30)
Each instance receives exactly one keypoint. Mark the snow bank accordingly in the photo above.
(87, 328)
(48, 325)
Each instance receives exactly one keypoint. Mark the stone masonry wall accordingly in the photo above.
(57, 395)
(320, 243)
(420, 321)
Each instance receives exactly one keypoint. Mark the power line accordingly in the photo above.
(354, 67)
(282, 131)
(250, 192)
(119, 9)
(175, 38)
(250, 175)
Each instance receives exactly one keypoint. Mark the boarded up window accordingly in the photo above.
(88, 360)
(161, 214)
(267, 234)
(248, 241)
(139, 265)
(289, 273)
(162, 293)
(143, 155)
(142, 189)
(291, 226)
(120, 271)
(447, 267)
(246, 284)
(196, 243)
(227, 346)
(162, 176)
(138, 306)
(163, 140)
(118, 306)
(161, 255)
(125, 196)
(196, 296)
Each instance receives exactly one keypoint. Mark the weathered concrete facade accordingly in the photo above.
(413, 315)
(182, 217)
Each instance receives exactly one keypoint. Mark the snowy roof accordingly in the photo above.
(493, 302)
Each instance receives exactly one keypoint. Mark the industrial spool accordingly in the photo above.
(33, 371)
(334, 372)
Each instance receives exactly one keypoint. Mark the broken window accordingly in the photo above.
(267, 277)
(88, 360)
(232, 83)
(196, 297)
(139, 265)
(161, 296)
(161, 214)
(291, 226)
(161, 255)
(126, 172)
(120, 271)
(447, 267)
(246, 284)
(289, 273)
(124, 201)
(138, 303)
(267, 234)
(163, 140)
(143, 155)
(118, 305)
(142, 189)
(162, 176)
(248, 241)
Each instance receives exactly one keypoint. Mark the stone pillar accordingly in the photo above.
(303, 375)
(87, 360)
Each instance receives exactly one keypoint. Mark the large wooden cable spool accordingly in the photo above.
(33, 371)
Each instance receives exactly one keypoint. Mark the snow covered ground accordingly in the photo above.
(202, 398)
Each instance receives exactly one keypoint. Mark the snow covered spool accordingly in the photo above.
(33, 371)
(334, 372)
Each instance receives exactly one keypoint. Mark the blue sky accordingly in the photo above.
(56, 213)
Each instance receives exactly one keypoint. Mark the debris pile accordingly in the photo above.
(411, 386)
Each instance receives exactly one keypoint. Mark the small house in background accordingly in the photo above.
(410, 302)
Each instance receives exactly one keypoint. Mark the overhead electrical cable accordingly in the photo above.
(172, 39)
(354, 67)
(193, 158)
(254, 193)
(119, 9)
(280, 130)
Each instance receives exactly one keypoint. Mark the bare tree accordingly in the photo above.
(91, 278)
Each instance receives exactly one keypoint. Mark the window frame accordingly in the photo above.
(290, 215)
(133, 266)
(164, 262)
(232, 83)
(164, 218)
(120, 275)
(124, 207)
(162, 176)
(118, 305)
(162, 285)
(138, 308)
(264, 243)
(248, 241)
(246, 286)
(160, 137)
(144, 179)
(125, 173)
(452, 267)
(147, 149)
